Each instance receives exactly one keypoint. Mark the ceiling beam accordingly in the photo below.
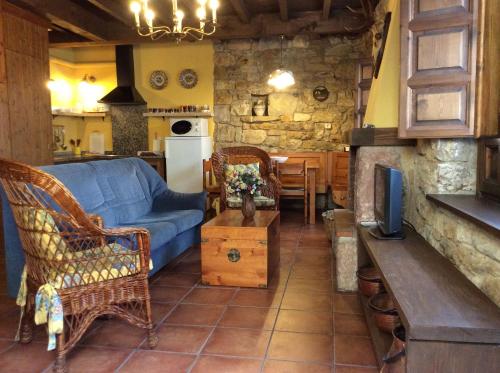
(263, 25)
(283, 10)
(117, 9)
(327, 7)
(76, 19)
(241, 10)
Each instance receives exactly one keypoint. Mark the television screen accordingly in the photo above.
(388, 190)
(379, 193)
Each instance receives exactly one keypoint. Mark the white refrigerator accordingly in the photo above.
(184, 157)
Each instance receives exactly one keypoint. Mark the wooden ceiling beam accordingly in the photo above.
(117, 9)
(327, 8)
(77, 19)
(263, 25)
(283, 10)
(241, 10)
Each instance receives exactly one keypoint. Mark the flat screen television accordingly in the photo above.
(388, 201)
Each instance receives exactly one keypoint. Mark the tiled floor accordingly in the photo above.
(300, 324)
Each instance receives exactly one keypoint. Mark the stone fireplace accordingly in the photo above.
(296, 121)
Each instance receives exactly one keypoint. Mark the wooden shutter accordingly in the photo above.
(438, 68)
(364, 83)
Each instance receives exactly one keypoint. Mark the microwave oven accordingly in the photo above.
(189, 127)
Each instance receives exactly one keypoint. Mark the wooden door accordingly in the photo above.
(26, 122)
(438, 68)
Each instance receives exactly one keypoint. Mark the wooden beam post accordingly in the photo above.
(241, 10)
(283, 10)
(327, 7)
(116, 9)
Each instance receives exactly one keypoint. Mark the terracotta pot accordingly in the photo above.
(395, 360)
(369, 281)
(384, 312)
(248, 206)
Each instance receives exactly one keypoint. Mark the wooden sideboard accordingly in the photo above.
(451, 326)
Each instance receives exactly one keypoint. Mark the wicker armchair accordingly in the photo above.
(246, 155)
(94, 271)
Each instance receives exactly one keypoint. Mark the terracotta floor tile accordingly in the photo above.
(8, 325)
(116, 333)
(350, 324)
(347, 303)
(257, 298)
(5, 344)
(309, 285)
(15, 359)
(157, 362)
(167, 294)
(160, 310)
(311, 272)
(320, 267)
(350, 369)
(294, 300)
(354, 350)
(249, 317)
(209, 296)
(217, 364)
(188, 339)
(95, 360)
(188, 267)
(301, 347)
(309, 259)
(195, 314)
(276, 366)
(238, 342)
(304, 321)
(178, 279)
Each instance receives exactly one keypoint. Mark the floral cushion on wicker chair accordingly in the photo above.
(94, 264)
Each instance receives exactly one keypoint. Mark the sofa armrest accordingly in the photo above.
(170, 200)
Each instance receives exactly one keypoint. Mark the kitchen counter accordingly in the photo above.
(71, 158)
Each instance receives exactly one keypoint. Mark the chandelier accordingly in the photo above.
(144, 21)
(281, 78)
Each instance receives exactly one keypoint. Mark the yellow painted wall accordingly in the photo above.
(172, 59)
(70, 65)
(383, 103)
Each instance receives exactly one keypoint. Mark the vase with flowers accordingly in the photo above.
(245, 184)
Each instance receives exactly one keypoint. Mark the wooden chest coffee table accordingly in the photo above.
(235, 252)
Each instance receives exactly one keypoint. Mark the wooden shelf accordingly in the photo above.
(435, 301)
(381, 341)
(80, 115)
(193, 114)
(481, 211)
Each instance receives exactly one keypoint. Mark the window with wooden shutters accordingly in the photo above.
(438, 68)
(364, 83)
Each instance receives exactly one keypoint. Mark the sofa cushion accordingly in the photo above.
(182, 219)
(160, 232)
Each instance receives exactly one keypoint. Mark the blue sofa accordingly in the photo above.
(125, 193)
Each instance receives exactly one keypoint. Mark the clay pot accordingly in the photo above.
(384, 312)
(248, 206)
(369, 281)
(395, 360)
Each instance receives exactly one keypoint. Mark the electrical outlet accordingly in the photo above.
(328, 126)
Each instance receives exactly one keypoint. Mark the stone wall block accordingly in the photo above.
(222, 113)
(253, 137)
(239, 45)
(241, 108)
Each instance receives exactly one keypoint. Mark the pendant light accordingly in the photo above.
(281, 78)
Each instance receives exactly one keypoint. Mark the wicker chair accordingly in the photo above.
(246, 155)
(95, 271)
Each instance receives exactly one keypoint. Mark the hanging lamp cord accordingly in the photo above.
(282, 37)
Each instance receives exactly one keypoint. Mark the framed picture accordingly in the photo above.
(380, 52)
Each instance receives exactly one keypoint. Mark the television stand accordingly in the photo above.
(377, 233)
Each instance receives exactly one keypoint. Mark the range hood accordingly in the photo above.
(125, 93)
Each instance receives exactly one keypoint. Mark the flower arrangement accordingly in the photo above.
(243, 182)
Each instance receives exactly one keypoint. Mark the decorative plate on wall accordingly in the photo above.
(321, 93)
(188, 78)
(158, 79)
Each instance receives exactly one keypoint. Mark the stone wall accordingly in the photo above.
(296, 121)
(436, 166)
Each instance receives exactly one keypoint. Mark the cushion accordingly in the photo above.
(160, 232)
(234, 170)
(235, 201)
(182, 219)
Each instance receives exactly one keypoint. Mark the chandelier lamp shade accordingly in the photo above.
(281, 78)
(145, 21)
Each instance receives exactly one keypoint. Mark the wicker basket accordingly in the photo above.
(328, 223)
(369, 281)
(385, 314)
